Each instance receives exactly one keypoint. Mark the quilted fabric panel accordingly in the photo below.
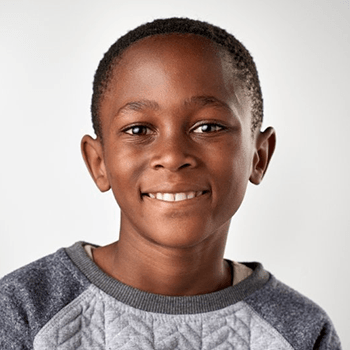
(97, 321)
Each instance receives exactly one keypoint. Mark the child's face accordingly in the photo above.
(174, 121)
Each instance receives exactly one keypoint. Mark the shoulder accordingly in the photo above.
(31, 295)
(303, 323)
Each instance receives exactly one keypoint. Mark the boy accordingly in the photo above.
(177, 110)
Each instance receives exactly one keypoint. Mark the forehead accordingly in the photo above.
(176, 43)
(171, 69)
(176, 51)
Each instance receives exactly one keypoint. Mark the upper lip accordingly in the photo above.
(175, 188)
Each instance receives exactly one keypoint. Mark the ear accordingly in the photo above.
(93, 156)
(265, 146)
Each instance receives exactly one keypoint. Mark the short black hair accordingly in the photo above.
(240, 57)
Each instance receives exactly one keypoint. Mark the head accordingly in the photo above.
(240, 60)
(177, 117)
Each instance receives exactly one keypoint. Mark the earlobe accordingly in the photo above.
(92, 152)
(265, 146)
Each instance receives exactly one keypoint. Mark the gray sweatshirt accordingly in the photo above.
(64, 301)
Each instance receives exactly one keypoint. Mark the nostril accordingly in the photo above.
(172, 159)
(185, 166)
(158, 166)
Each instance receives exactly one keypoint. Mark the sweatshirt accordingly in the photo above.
(64, 301)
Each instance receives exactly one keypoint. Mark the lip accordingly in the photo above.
(175, 188)
(179, 188)
(199, 196)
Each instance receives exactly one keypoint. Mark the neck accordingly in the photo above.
(147, 266)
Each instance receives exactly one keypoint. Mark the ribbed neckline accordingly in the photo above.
(166, 304)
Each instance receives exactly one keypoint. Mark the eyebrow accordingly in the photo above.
(201, 101)
(138, 106)
(207, 101)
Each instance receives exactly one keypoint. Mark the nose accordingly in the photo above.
(173, 153)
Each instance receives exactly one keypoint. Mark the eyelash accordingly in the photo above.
(142, 127)
(217, 126)
(130, 129)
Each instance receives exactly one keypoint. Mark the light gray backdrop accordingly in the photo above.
(296, 222)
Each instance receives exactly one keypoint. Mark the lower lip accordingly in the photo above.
(185, 201)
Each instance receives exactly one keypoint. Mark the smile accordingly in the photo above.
(175, 197)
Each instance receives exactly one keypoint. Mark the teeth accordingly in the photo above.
(191, 195)
(180, 196)
(169, 197)
(175, 197)
(159, 196)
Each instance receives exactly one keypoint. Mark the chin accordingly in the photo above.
(180, 235)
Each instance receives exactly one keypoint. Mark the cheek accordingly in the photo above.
(124, 169)
(231, 172)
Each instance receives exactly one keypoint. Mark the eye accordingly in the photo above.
(138, 130)
(207, 128)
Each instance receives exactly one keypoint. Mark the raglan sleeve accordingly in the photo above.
(14, 325)
(328, 338)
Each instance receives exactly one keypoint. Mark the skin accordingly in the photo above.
(175, 119)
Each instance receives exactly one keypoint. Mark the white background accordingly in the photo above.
(296, 222)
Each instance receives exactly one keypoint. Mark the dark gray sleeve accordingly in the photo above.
(328, 338)
(32, 295)
(302, 323)
(14, 330)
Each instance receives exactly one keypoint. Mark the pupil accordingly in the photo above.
(205, 127)
(136, 130)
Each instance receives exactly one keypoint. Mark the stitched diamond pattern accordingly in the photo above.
(97, 321)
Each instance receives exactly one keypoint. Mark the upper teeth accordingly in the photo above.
(175, 197)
